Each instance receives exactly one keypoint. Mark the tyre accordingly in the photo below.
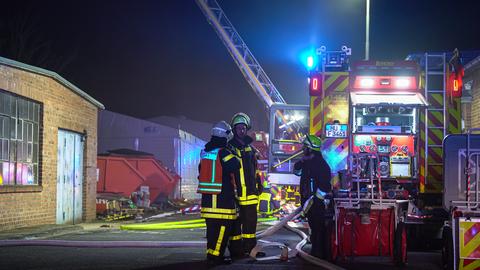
(400, 245)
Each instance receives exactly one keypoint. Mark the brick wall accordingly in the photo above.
(62, 108)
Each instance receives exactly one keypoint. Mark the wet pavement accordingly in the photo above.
(192, 258)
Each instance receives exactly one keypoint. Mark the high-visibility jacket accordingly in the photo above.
(221, 205)
(290, 194)
(210, 178)
(248, 177)
(264, 203)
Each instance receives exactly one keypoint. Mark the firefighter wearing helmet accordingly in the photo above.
(217, 186)
(315, 187)
(249, 187)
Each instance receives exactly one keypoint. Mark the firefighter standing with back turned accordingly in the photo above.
(217, 186)
(315, 176)
(248, 186)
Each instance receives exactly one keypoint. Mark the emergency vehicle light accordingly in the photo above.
(402, 83)
(310, 62)
(315, 84)
(366, 82)
(403, 99)
(385, 83)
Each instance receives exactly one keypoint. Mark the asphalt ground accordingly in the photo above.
(42, 257)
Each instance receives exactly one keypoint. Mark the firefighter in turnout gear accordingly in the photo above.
(248, 184)
(217, 186)
(267, 205)
(315, 187)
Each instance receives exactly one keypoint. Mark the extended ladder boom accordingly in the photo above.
(246, 62)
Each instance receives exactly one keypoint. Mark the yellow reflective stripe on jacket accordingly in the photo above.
(235, 237)
(251, 197)
(248, 149)
(248, 202)
(214, 201)
(248, 235)
(216, 252)
(218, 216)
(242, 176)
(227, 158)
(219, 210)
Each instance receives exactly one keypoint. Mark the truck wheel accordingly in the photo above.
(447, 248)
(400, 245)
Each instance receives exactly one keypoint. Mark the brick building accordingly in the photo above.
(48, 148)
(471, 94)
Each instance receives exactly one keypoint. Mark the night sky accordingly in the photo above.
(151, 58)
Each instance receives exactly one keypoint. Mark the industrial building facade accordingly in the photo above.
(177, 149)
(48, 148)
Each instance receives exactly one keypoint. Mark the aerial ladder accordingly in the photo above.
(246, 62)
(259, 81)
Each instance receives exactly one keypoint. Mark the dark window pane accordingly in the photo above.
(12, 150)
(25, 151)
(3, 103)
(29, 152)
(2, 126)
(35, 133)
(35, 153)
(13, 125)
(30, 111)
(19, 129)
(29, 132)
(36, 113)
(6, 146)
(19, 140)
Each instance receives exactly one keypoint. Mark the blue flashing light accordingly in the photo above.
(310, 62)
(309, 58)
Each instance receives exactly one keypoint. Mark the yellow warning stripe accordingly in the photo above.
(242, 175)
(248, 235)
(219, 210)
(471, 266)
(314, 112)
(454, 113)
(438, 117)
(438, 151)
(473, 244)
(438, 100)
(216, 252)
(333, 77)
(437, 133)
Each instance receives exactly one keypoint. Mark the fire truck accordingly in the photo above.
(382, 125)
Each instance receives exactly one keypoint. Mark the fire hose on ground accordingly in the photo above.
(189, 244)
(186, 224)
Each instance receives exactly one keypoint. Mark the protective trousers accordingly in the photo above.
(218, 233)
(319, 234)
(246, 226)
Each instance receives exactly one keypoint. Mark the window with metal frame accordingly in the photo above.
(19, 140)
